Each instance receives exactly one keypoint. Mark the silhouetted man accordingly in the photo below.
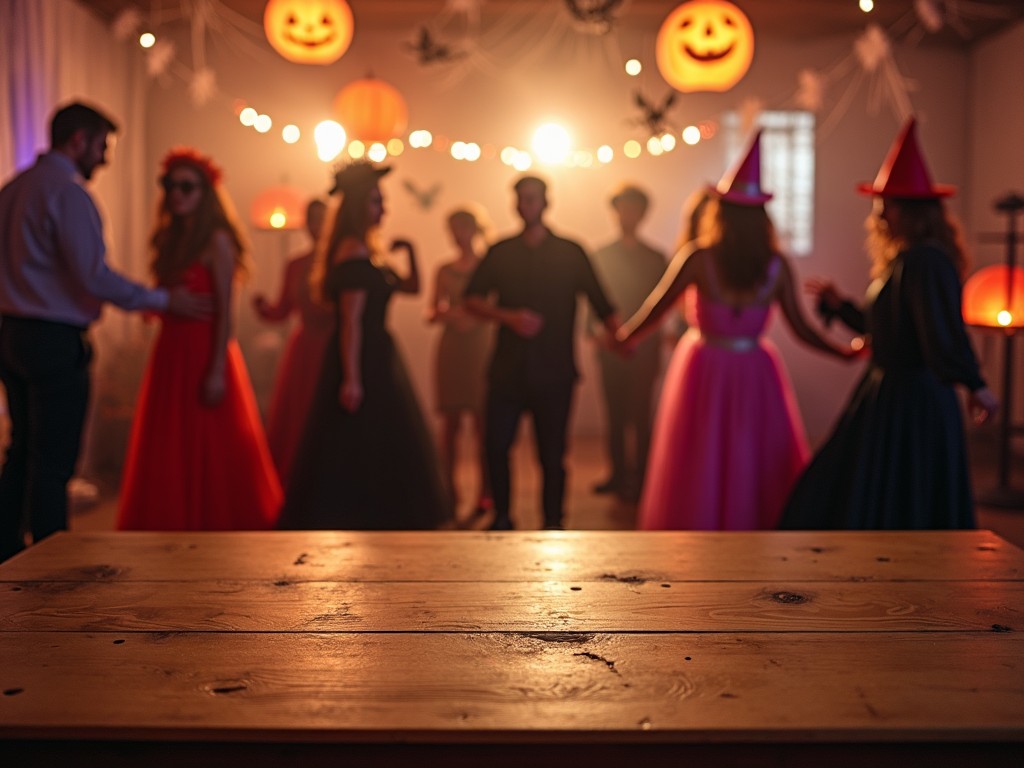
(631, 269)
(54, 280)
(533, 280)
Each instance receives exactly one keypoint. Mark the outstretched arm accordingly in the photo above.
(285, 304)
(830, 305)
(785, 294)
(680, 273)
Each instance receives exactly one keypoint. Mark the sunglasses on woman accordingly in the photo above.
(185, 187)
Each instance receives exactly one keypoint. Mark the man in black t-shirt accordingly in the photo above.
(529, 284)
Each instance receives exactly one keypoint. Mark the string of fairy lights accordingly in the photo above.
(551, 143)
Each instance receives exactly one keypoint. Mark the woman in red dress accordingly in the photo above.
(197, 457)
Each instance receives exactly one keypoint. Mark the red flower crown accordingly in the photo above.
(189, 156)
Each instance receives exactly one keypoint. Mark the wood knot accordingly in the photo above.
(789, 598)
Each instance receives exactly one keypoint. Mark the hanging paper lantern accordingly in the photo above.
(704, 45)
(371, 110)
(308, 31)
(993, 297)
(280, 207)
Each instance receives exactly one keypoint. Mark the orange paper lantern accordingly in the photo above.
(993, 297)
(371, 110)
(309, 31)
(704, 45)
(280, 207)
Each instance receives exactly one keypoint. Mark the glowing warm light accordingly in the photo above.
(867, 5)
(330, 140)
(278, 218)
(458, 150)
(147, 39)
(356, 149)
(993, 297)
(704, 45)
(263, 123)
(371, 110)
(472, 151)
(396, 147)
(279, 207)
(308, 31)
(420, 139)
(634, 67)
(290, 134)
(508, 155)
(377, 152)
(691, 134)
(522, 161)
(605, 154)
(668, 142)
(857, 343)
(552, 143)
(247, 116)
(654, 146)
(632, 149)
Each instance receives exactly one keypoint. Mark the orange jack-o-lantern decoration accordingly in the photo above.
(705, 45)
(281, 207)
(371, 110)
(309, 31)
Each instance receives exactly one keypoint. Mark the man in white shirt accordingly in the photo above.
(54, 280)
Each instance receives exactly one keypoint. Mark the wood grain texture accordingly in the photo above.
(458, 648)
(520, 556)
(542, 687)
(614, 606)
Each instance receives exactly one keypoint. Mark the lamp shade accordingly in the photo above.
(280, 207)
(993, 297)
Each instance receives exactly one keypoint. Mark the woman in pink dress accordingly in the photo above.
(728, 441)
(197, 456)
(299, 369)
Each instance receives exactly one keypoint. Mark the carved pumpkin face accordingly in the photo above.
(705, 45)
(308, 31)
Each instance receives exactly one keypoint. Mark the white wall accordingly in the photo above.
(577, 85)
(996, 167)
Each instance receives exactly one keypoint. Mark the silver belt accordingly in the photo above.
(733, 343)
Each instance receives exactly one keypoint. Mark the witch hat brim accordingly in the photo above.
(904, 173)
(742, 184)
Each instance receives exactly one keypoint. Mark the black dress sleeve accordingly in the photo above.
(849, 313)
(930, 289)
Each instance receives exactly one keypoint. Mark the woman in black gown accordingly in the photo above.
(366, 460)
(897, 459)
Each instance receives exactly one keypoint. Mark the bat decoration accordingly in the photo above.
(424, 198)
(597, 16)
(653, 117)
(430, 51)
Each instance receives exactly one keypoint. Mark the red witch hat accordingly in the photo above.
(904, 173)
(742, 185)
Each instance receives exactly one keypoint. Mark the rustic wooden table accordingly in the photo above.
(545, 648)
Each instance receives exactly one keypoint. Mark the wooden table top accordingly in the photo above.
(751, 642)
